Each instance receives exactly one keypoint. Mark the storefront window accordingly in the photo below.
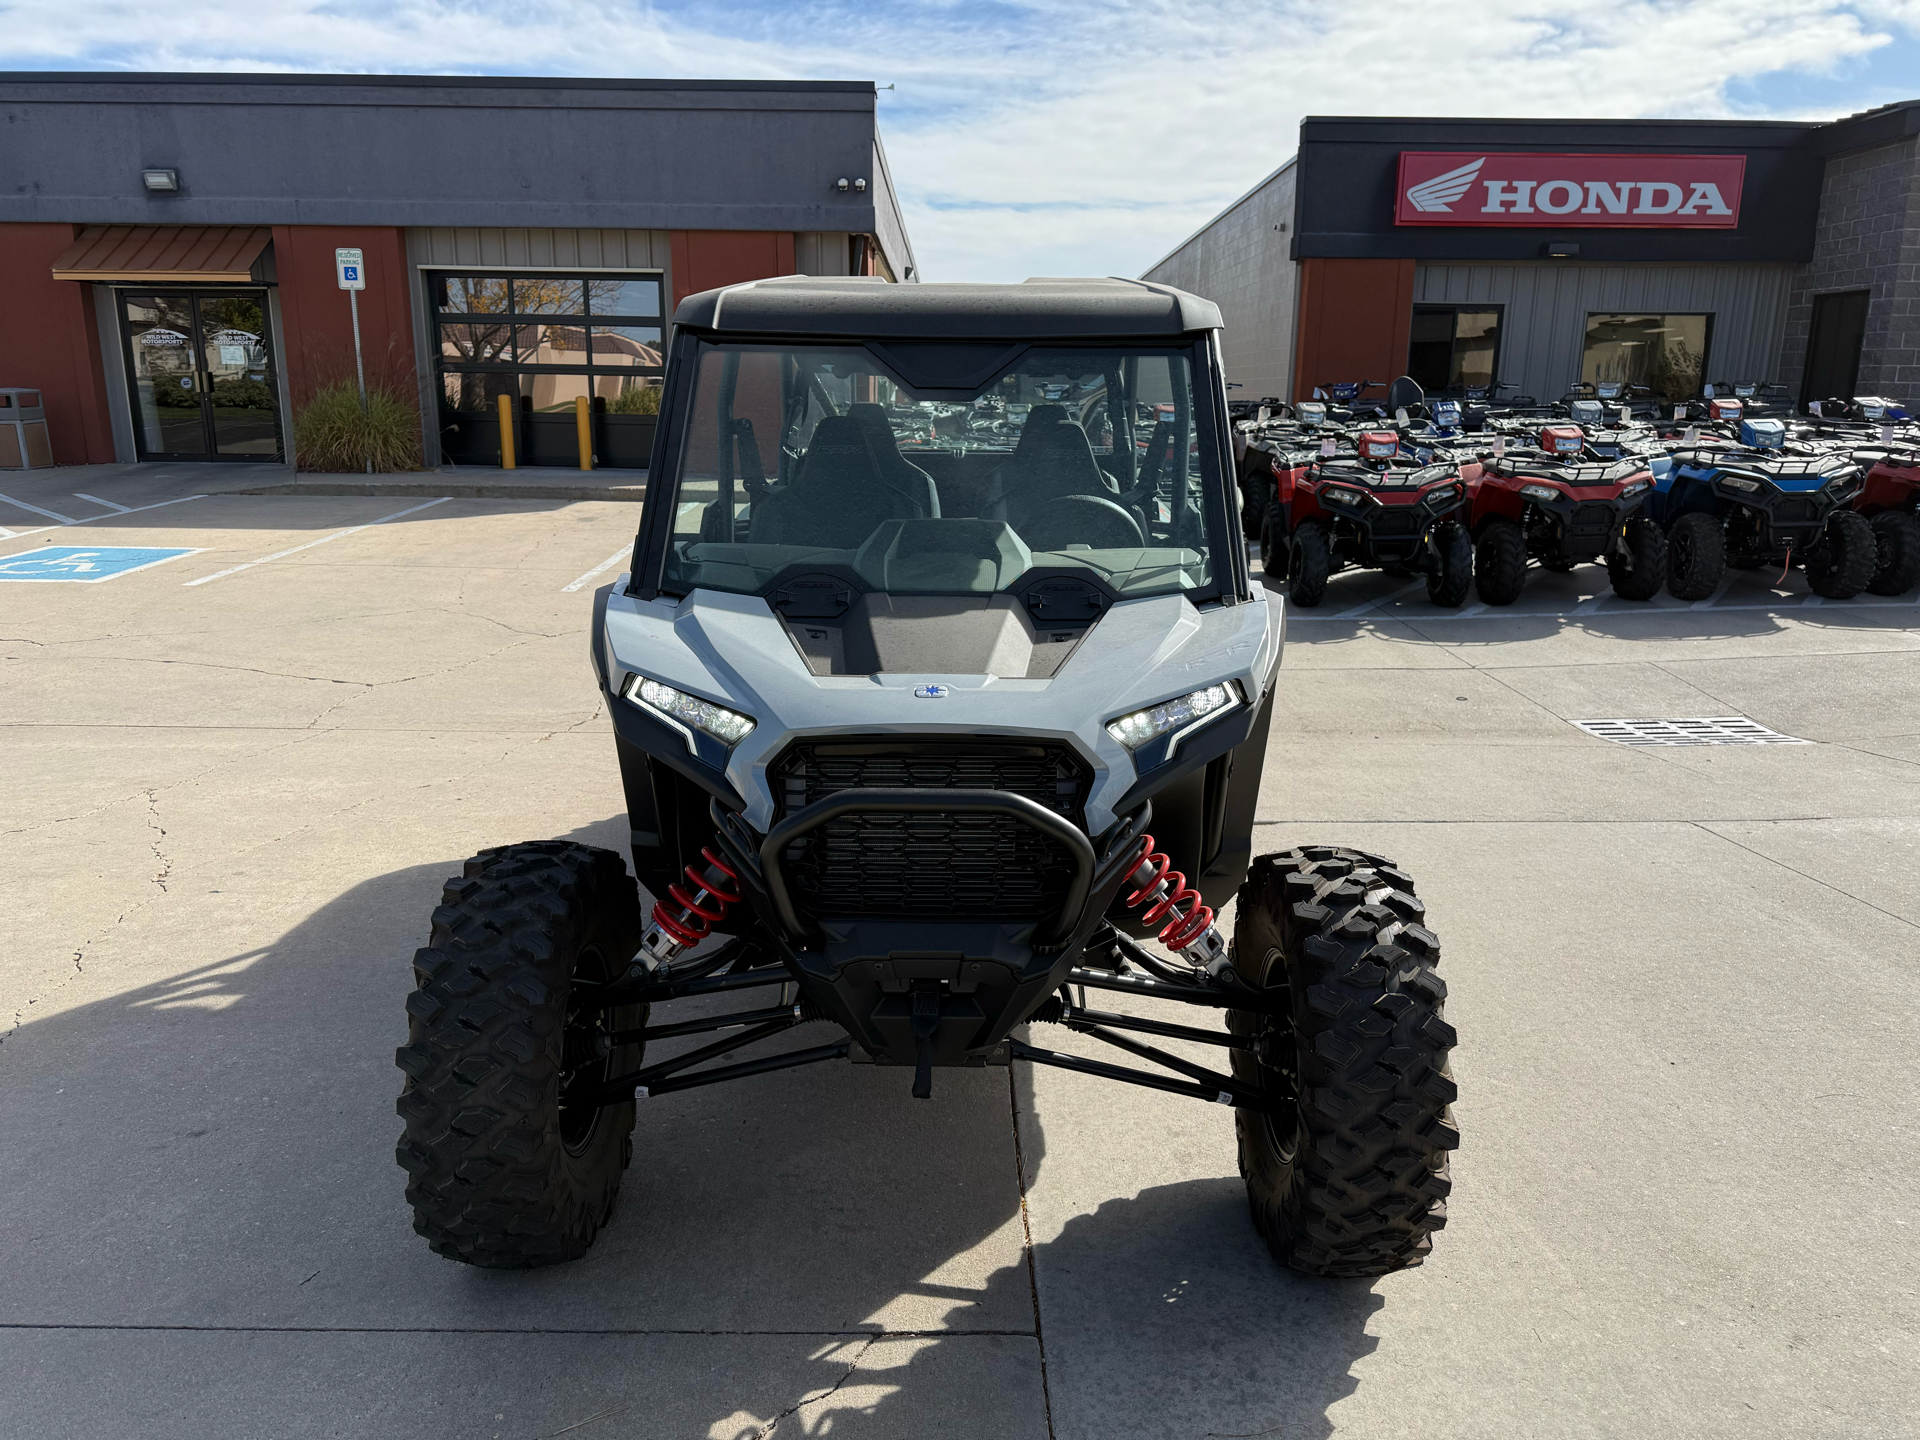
(548, 341)
(1450, 346)
(1666, 353)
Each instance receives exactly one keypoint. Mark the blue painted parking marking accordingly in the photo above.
(83, 564)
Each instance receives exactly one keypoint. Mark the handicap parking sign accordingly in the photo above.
(87, 565)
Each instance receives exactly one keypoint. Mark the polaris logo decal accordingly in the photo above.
(931, 692)
(1559, 191)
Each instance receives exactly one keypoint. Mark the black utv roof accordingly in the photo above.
(867, 307)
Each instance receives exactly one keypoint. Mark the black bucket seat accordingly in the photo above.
(838, 495)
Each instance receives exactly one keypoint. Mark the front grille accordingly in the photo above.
(1790, 511)
(929, 864)
(1397, 520)
(1592, 515)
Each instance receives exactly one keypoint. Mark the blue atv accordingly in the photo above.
(1748, 504)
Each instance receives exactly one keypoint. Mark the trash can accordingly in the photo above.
(23, 431)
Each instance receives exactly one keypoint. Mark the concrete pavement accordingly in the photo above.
(1685, 983)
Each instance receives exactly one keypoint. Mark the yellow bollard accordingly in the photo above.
(584, 432)
(506, 432)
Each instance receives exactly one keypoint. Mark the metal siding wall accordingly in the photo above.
(562, 249)
(1547, 306)
(820, 252)
(1240, 262)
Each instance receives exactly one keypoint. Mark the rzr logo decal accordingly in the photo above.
(1443, 190)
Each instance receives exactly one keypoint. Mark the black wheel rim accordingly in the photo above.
(1683, 552)
(1278, 1055)
(584, 1057)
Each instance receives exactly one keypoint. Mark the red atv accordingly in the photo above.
(1888, 499)
(1550, 506)
(1375, 509)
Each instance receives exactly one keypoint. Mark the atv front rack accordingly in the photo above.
(1112, 962)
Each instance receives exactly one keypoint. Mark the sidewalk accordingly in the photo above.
(526, 483)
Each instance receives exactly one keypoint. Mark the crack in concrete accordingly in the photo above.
(768, 1430)
(164, 861)
(248, 669)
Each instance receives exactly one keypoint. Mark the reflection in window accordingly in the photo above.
(545, 295)
(1452, 346)
(548, 341)
(1666, 353)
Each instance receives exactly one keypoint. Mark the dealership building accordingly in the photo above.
(1538, 253)
(168, 247)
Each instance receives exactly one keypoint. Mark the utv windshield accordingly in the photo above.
(1018, 460)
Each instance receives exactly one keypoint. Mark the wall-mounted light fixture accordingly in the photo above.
(1563, 250)
(161, 180)
(860, 183)
(844, 184)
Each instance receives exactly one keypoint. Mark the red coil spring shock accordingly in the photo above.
(1168, 897)
(699, 909)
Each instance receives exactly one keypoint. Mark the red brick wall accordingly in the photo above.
(1353, 321)
(53, 343)
(316, 322)
(707, 259)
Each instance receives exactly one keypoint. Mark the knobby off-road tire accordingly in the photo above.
(1309, 562)
(1640, 574)
(1274, 542)
(1450, 586)
(1897, 545)
(1697, 556)
(1842, 562)
(1500, 563)
(502, 1171)
(1348, 1174)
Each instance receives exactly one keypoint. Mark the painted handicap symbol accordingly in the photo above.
(83, 564)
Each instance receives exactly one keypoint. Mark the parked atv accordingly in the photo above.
(918, 743)
(1551, 507)
(1887, 499)
(1750, 506)
(1376, 509)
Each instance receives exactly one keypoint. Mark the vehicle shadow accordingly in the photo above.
(211, 1156)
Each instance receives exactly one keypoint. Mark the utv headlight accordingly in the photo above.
(1741, 483)
(1541, 492)
(726, 726)
(1142, 726)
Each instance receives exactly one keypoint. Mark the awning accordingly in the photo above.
(160, 253)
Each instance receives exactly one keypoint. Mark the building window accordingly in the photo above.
(1450, 346)
(547, 341)
(1666, 353)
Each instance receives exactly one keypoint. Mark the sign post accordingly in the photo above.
(350, 274)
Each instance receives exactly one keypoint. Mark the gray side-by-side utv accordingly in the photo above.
(938, 673)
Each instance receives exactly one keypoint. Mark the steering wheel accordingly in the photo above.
(1080, 520)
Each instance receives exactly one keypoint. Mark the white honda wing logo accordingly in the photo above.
(1442, 190)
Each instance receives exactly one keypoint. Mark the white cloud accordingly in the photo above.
(1051, 136)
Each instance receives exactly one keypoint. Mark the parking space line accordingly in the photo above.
(1352, 611)
(613, 560)
(309, 545)
(112, 515)
(1727, 583)
(39, 510)
(82, 495)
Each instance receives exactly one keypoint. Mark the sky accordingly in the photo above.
(1067, 137)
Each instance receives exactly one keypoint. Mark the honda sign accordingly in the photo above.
(1697, 192)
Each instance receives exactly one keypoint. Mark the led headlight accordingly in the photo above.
(726, 726)
(1628, 492)
(1343, 497)
(1740, 482)
(1136, 730)
(1540, 492)
(1843, 485)
(1440, 496)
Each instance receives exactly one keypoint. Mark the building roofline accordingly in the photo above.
(1228, 210)
(454, 82)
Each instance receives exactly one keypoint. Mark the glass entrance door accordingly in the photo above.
(200, 364)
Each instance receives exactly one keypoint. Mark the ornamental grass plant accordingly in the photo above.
(332, 432)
